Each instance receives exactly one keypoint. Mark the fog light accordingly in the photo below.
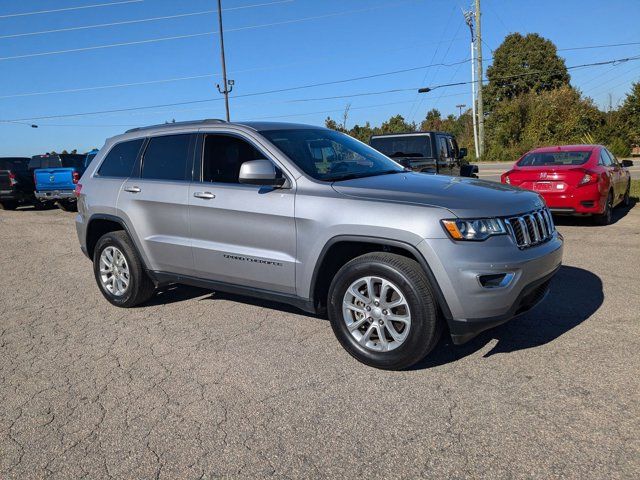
(495, 280)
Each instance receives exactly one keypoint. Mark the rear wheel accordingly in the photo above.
(382, 311)
(68, 206)
(119, 272)
(605, 217)
(8, 205)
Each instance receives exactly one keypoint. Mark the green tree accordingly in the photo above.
(397, 124)
(628, 116)
(522, 64)
(556, 117)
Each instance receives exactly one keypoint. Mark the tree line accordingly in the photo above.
(529, 102)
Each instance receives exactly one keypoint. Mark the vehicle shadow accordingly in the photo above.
(574, 296)
(175, 293)
(618, 214)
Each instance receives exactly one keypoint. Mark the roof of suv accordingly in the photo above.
(215, 121)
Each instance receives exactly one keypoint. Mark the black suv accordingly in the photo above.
(427, 152)
(16, 182)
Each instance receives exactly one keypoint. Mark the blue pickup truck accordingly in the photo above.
(56, 176)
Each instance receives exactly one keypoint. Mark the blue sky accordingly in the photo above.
(282, 48)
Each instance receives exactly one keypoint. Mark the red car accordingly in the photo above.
(574, 179)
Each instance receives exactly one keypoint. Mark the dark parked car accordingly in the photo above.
(16, 183)
(56, 176)
(427, 152)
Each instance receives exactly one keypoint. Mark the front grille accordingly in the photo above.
(531, 229)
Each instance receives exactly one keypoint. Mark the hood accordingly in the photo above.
(464, 197)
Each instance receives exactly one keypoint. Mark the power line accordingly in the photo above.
(164, 80)
(83, 7)
(312, 85)
(193, 35)
(142, 20)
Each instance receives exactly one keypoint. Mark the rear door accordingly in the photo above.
(155, 201)
(242, 234)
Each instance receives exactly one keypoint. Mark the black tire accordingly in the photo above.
(140, 288)
(43, 205)
(407, 275)
(626, 200)
(605, 217)
(8, 205)
(68, 206)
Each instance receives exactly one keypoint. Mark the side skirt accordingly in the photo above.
(164, 278)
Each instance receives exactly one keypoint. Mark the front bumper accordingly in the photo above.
(472, 307)
(48, 195)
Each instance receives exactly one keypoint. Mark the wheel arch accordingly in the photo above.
(100, 224)
(340, 249)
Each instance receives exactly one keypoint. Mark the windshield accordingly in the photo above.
(542, 159)
(329, 156)
(405, 146)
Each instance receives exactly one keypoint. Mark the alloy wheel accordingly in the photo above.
(114, 271)
(376, 314)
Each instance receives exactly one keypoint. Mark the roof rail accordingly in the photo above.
(178, 124)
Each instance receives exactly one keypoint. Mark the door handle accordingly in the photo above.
(132, 189)
(204, 195)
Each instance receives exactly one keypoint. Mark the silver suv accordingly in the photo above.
(314, 218)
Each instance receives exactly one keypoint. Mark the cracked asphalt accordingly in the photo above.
(198, 384)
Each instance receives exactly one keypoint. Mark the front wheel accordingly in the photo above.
(8, 205)
(626, 200)
(383, 312)
(119, 272)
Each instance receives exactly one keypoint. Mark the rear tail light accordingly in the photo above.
(76, 177)
(505, 178)
(77, 190)
(12, 179)
(588, 178)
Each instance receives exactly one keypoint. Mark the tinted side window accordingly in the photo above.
(223, 156)
(443, 148)
(167, 158)
(120, 159)
(605, 159)
(614, 160)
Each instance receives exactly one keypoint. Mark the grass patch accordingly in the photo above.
(635, 189)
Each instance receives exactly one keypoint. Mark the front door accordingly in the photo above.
(156, 202)
(241, 234)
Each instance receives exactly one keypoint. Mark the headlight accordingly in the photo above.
(475, 229)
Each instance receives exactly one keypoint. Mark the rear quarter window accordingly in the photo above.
(120, 160)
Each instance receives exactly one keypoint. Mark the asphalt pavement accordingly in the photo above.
(199, 384)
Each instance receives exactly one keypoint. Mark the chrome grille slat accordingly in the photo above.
(531, 228)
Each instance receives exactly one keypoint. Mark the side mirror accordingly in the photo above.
(627, 163)
(260, 172)
(462, 152)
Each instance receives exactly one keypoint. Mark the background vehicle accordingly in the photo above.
(390, 254)
(427, 152)
(574, 179)
(56, 176)
(16, 183)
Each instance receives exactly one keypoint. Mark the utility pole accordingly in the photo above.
(228, 84)
(468, 18)
(460, 106)
(480, 76)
